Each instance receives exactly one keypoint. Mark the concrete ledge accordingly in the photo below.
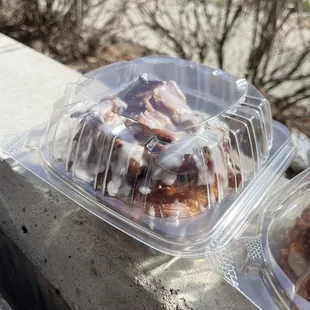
(91, 265)
(75, 260)
(29, 85)
(22, 283)
(4, 305)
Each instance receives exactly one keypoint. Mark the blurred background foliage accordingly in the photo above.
(266, 41)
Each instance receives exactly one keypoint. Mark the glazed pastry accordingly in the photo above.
(152, 151)
(296, 255)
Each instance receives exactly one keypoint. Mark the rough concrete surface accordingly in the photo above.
(92, 265)
(87, 263)
(4, 305)
(29, 84)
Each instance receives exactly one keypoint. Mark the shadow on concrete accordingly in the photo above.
(21, 284)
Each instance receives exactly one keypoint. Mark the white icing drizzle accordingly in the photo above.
(177, 90)
(167, 163)
(204, 176)
(176, 204)
(212, 197)
(113, 185)
(121, 105)
(155, 119)
(172, 98)
(83, 166)
(190, 118)
(162, 170)
(166, 177)
(87, 168)
(144, 190)
(173, 158)
(151, 211)
(119, 166)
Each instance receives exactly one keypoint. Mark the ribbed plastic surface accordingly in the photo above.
(165, 135)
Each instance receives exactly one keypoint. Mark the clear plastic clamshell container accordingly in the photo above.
(270, 262)
(286, 240)
(184, 158)
(174, 153)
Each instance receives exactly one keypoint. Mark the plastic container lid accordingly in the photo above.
(287, 241)
(272, 256)
(176, 154)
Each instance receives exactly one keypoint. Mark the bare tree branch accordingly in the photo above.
(274, 82)
(227, 28)
(287, 76)
(157, 25)
(287, 101)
